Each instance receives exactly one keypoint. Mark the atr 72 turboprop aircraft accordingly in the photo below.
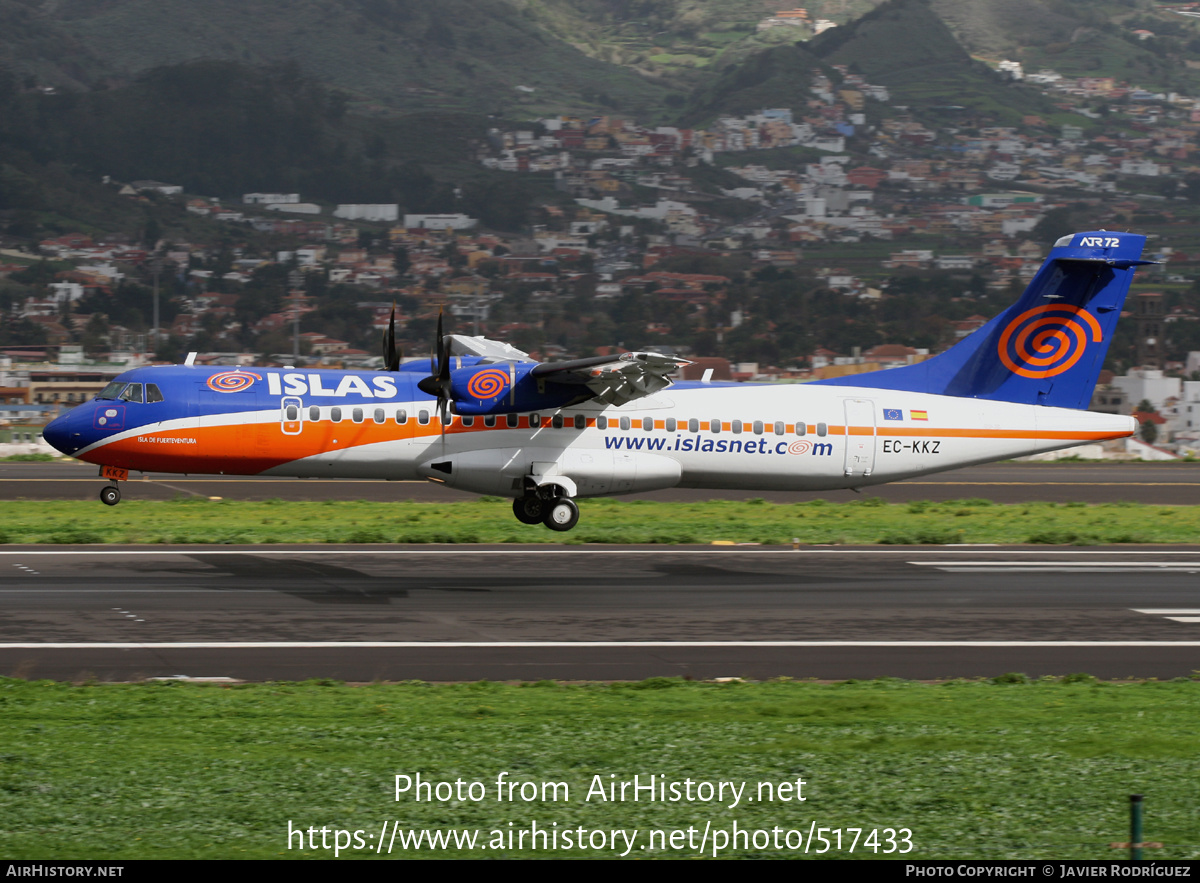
(489, 420)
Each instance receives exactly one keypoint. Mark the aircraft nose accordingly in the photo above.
(63, 433)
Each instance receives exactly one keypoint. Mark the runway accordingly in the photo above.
(580, 613)
(1164, 483)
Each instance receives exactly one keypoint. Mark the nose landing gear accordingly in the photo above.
(111, 495)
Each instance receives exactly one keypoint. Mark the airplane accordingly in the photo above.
(488, 419)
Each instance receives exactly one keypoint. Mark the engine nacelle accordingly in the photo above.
(509, 388)
(592, 473)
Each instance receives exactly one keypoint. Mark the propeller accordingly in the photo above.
(391, 355)
(438, 382)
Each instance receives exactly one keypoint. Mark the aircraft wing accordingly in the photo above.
(614, 380)
(486, 349)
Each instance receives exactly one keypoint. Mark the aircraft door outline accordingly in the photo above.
(860, 446)
(291, 415)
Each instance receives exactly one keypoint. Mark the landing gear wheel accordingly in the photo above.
(529, 510)
(562, 514)
(110, 495)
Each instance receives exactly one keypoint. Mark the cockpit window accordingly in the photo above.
(132, 393)
(153, 393)
(112, 390)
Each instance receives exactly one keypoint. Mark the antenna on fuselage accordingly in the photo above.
(191, 359)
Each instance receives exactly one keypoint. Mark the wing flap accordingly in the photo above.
(614, 380)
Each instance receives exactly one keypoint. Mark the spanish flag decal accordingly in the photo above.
(919, 415)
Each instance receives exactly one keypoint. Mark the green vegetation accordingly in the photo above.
(464, 55)
(976, 769)
(1081, 39)
(489, 520)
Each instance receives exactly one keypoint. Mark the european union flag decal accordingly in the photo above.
(893, 414)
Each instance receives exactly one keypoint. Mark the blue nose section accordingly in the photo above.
(66, 433)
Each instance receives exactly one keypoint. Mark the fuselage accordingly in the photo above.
(364, 424)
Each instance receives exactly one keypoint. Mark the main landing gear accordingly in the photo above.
(547, 505)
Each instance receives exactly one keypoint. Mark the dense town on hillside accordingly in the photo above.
(693, 241)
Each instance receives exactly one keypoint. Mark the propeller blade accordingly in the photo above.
(391, 355)
(436, 353)
(438, 382)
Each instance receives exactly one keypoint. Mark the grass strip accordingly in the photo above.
(490, 520)
(976, 769)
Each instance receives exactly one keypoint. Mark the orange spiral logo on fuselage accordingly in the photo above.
(488, 384)
(800, 447)
(1047, 340)
(232, 381)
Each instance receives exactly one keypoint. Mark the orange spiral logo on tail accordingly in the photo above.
(232, 381)
(488, 384)
(1047, 340)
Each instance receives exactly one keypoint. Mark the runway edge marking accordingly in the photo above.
(458, 551)
(484, 645)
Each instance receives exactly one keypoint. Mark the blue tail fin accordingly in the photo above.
(1046, 349)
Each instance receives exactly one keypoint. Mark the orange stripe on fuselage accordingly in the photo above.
(248, 449)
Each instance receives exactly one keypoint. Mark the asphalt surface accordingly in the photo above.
(1165, 483)
(369, 613)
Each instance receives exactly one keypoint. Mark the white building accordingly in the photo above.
(300, 208)
(439, 222)
(1012, 68)
(1149, 384)
(1142, 167)
(368, 212)
(269, 198)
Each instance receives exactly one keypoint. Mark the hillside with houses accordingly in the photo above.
(842, 232)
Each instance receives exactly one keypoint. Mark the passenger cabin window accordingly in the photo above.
(314, 413)
(153, 393)
(647, 423)
(557, 421)
(132, 393)
(580, 421)
(335, 414)
(671, 424)
(401, 416)
(488, 421)
(112, 390)
(291, 413)
(714, 425)
(357, 414)
(379, 415)
(512, 421)
(758, 427)
(737, 426)
(468, 421)
(801, 428)
(423, 417)
(693, 425)
(535, 420)
(624, 422)
(779, 428)
(822, 429)
(602, 423)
